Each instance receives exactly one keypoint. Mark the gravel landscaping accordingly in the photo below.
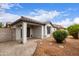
(50, 48)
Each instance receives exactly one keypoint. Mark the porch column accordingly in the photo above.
(24, 32)
(45, 31)
(42, 31)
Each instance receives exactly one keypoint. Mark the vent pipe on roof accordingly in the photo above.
(22, 16)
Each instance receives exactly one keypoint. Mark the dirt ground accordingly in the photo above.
(50, 48)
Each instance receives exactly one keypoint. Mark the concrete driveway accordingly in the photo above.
(13, 48)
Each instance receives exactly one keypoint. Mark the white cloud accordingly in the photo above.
(7, 17)
(76, 20)
(65, 15)
(5, 6)
(43, 15)
(8, 5)
(70, 9)
(67, 22)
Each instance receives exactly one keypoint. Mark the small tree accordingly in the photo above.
(1, 24)
(74, 30)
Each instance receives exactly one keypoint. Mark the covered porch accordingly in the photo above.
(28, 31)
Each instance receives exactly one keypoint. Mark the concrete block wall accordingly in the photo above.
(7, 34)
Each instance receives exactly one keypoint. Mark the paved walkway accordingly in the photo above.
(12, 48)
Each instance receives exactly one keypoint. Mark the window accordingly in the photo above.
(21, 33)
(48, 30)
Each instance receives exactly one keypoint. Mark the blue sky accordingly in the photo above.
(63, 14)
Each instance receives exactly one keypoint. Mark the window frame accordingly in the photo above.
(48, 29)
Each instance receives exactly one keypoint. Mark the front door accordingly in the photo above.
(28, 32)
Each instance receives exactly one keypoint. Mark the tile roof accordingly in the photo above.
(26, 19)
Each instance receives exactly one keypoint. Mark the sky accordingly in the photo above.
(64, 14)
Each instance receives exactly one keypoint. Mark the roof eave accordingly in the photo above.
(20, 20)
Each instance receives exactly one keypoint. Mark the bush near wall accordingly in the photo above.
(1, 24)
(74, 30)
(60, 35)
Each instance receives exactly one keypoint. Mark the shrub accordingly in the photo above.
(1, 24)
(60, 35)
(74, 30)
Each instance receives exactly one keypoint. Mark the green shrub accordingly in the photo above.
(60, 35)
(74, 30)
(1, 24)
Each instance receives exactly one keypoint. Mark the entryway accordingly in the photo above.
(28, 32)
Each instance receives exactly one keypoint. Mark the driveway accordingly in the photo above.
(13, 48)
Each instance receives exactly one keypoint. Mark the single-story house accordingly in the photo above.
(57, 27)
(27, 28)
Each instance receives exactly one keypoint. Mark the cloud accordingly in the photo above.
(8, 17)
(40, 15)
(43, 15)
(76, 20)
(5, 16)
(67, 22)
(69, 9)
(65, 15)
(4, 6)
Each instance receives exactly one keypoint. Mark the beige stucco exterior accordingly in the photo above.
(51, 30)
(36, 31)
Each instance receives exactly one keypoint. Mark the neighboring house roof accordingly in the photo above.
(25, 19)
(8, 24)
(57, 26)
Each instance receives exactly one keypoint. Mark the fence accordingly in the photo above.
(7, 34)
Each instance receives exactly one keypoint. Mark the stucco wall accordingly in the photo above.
(13, 32)
(51, 30)
(18, 33)
(36, 32)
(7, 34)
